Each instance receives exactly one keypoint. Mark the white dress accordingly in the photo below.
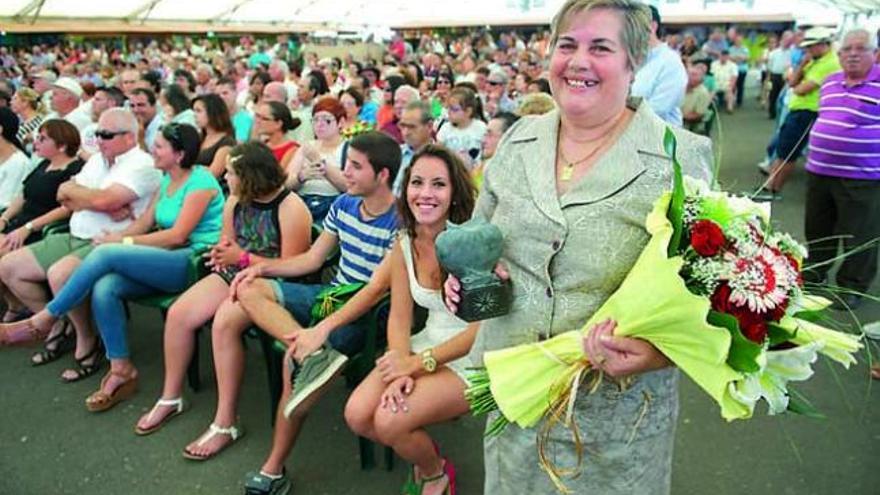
(441, 324)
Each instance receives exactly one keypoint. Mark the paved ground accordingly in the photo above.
(49, 444)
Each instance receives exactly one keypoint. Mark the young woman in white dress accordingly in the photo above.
(420, 380)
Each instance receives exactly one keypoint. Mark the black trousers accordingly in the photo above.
(850, 209)
(740, 87)
(777, 82)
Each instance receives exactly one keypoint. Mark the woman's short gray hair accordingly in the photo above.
(636, 17)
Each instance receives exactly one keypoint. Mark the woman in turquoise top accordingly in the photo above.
(151, 256)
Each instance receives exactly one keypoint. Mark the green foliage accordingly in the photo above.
(676, 205)
(756, 45)
(744, 353)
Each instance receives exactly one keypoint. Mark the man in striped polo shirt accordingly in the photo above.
(843, 165)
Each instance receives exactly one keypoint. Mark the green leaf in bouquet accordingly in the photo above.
(675, 213)
(799, 404)
(744, 353)
(779, 334)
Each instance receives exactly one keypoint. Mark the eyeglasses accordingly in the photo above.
(495, 83)
(443, 82)
(106, 135)
(455, 108)
(323, 120)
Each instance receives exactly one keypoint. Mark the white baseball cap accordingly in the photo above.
(70, 84)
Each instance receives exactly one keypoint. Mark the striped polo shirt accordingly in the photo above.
(845, 140)
(362, 243)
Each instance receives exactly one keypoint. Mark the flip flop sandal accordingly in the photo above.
(56, 346)
(83, 369)
(233, 432)
(179, 407)
(102, 401)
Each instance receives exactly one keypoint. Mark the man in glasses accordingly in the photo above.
(113, 188)
(496, 97)
(403, 96)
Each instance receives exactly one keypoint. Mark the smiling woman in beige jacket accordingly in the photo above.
(571, 190)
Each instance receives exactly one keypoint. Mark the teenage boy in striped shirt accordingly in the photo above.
(362, 223)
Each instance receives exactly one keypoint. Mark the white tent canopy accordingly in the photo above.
(359, 15)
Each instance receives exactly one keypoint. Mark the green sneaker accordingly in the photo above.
(316, 369)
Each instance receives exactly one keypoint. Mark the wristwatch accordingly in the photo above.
(428, 361)
(29, 226)
(128, 240)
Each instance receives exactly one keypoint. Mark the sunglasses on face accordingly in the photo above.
(106, 135)
(443, 82)
(495, 83)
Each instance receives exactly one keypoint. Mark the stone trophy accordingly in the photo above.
(470, 251)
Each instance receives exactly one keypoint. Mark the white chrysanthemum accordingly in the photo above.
(762, 282)
(706, 274)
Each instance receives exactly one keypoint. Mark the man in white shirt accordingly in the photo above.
(778, 64)
(662, 80)
(66, 94)
(113, 188)
(725, 72)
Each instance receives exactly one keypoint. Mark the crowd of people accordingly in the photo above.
(263, 160)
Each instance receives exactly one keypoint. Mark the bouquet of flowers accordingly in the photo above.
(716, 290)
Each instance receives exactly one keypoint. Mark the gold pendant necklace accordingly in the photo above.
(567, 171)
(568, 167)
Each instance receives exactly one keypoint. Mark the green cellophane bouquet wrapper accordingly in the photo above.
(716, 290)
(654, 304)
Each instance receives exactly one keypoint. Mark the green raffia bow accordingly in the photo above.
(332, 298)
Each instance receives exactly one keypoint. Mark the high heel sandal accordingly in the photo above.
(21, 333)
(101, 401)
(413, 487)
(89, 364)
(56, 346)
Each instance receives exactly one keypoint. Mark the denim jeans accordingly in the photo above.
(298, 299)
(113, 273)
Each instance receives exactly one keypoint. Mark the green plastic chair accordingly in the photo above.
(196, 270)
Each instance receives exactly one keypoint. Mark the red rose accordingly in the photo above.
(721, 298)
(756, 332)
(752, 325)
(707, 237)
(778, 312)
